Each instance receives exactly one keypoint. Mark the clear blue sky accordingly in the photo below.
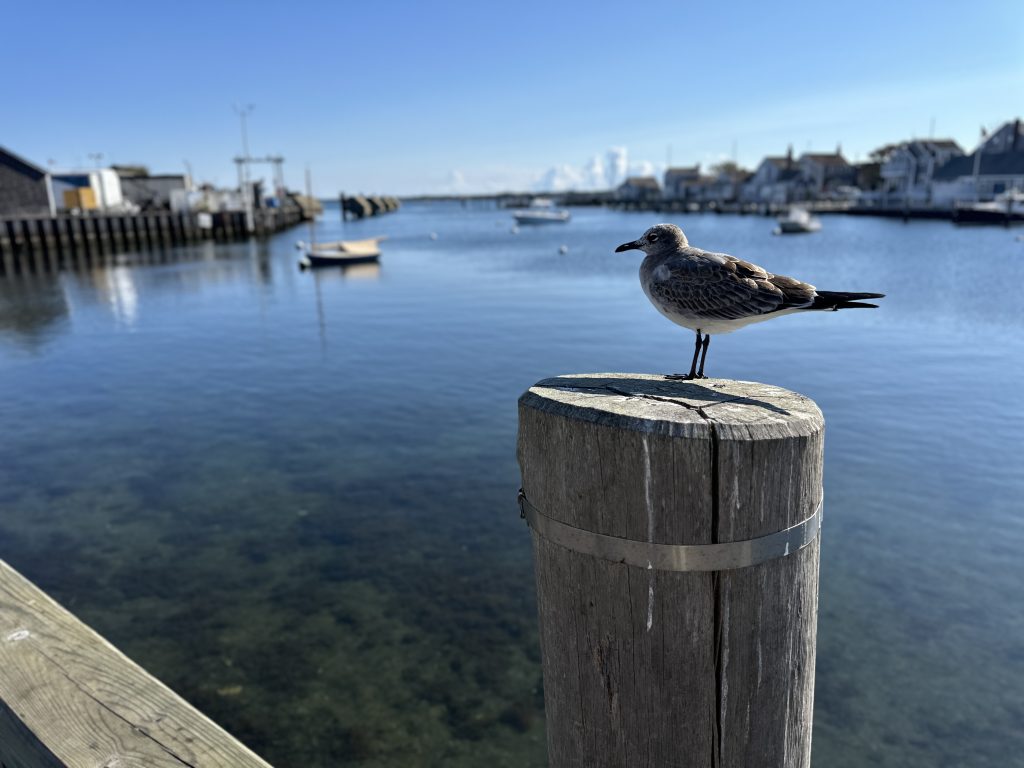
(407, 96)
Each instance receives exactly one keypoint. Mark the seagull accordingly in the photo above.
(713, 293)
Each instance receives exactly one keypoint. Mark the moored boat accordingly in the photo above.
(541, 211)
(1007, 208)
(798, 221)
(337, 253)
(340, 253)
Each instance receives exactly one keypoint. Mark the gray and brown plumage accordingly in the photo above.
(713, 293)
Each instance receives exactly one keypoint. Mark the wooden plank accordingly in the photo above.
(68, 698)
(658, 668)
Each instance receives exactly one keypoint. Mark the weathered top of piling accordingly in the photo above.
(659, 405)
(717, 460)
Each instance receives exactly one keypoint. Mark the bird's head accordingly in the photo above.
(661, 238)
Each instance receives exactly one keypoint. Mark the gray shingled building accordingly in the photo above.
(23, 187)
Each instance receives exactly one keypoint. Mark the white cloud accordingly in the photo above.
(598, 173)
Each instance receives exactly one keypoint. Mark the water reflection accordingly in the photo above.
(117, 286)
(33, 309)
(328, 456)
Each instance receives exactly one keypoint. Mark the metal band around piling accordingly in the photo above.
(674, 557)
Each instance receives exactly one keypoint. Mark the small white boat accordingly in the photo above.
(797, 221)
(337, 253)
(541, 211)
(340, 252)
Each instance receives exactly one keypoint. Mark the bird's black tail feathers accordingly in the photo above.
(842, 300)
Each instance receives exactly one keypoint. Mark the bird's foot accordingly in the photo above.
(684, 376)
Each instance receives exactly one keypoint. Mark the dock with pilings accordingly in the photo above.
(362, 207)
(46, 243)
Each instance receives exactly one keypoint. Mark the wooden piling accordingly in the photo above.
(647, 662)
(6, 246)
(32, 240)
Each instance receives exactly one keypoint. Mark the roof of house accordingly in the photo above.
(834, 159)
(21, 165)
(781, 160)
(692, 171)
(642, 181)
(992, 164)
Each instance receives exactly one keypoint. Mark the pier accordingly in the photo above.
(43, 243)
(70, 699)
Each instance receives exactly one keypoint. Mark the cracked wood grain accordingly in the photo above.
(664, 669)
(69, 699)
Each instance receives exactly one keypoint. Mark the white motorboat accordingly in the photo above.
(1006, 208)
(798, 221)
(541, 211)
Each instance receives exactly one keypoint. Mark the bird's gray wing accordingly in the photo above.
(716, 285)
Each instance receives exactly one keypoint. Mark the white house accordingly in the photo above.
(776, 180)
(908, 169)
(996, 166)
(825, 172)
(639, 188)
(680, 182)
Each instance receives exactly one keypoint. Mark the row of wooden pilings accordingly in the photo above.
(360, 207)
(45, 243)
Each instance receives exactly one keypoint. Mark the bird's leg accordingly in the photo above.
(693, 365)
(703, 355)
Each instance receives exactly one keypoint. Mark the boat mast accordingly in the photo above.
(312, 210)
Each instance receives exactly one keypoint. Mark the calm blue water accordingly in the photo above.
(291, 495)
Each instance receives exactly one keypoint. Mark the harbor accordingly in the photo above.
(287, 507)
(106, 213)
(569, 386)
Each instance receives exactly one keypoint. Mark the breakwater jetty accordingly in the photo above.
(45, 243)
(361, 207)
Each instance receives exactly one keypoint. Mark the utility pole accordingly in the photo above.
(243, 111)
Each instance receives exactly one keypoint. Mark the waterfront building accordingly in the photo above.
(150, 192)
(97, 189)
(867, 176)
(777, 180)
(682, 182)
(995, 167)
(907, 169)
(821, 174)
(639, 188)
(726, 186)
(24, 187)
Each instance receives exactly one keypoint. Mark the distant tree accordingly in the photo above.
(726, 168)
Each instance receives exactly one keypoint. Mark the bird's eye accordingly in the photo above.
(652, 238)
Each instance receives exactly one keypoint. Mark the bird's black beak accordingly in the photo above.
(634, 246)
